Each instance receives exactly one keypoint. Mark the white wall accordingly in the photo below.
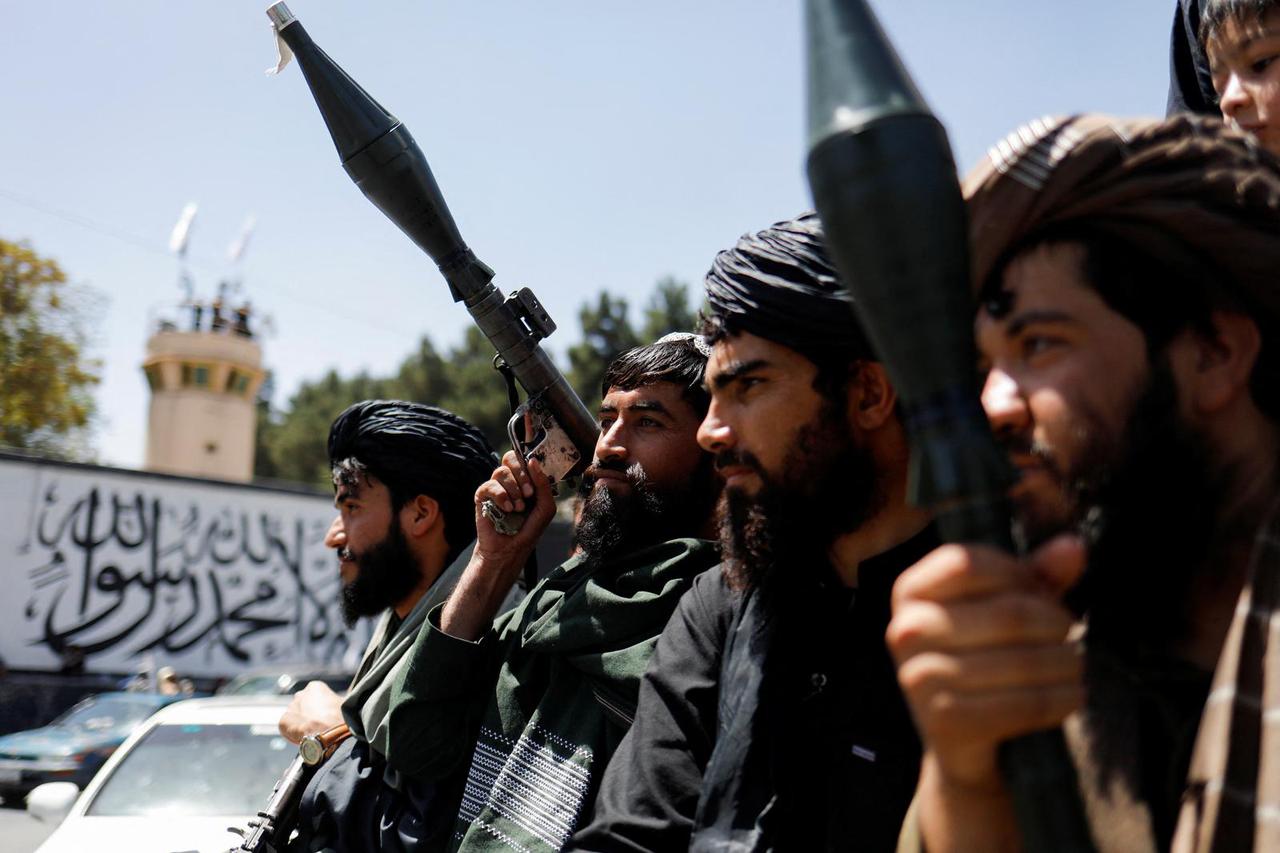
(208, 578)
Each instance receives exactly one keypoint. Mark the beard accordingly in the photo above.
(1146, 506)
(827, 486)
(386, 573)
(612, 523)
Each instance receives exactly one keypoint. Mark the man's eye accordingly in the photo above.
(1037, 344)
(650, 422)
(605, 423)
(1260, 65)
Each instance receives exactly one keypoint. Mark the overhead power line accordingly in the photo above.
(201, 262)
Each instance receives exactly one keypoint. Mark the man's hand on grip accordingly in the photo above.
(981, 642)
(314, 709)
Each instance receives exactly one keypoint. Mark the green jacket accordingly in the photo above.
(532, 713)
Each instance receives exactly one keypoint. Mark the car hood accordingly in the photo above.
(56, 740)
(144, 834)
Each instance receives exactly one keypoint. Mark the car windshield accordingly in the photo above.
(98, 713)
(197, 771)
(245, 684)
(283, 682)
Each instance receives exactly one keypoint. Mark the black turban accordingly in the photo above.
(780, 285)
(416, 449)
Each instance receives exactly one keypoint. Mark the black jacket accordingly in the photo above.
(813, 751)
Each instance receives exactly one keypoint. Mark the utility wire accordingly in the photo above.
(204, 263)
(98, 227)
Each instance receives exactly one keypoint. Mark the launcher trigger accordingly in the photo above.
(544, 440)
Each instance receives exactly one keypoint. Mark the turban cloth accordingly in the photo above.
(780, 285)
(416, 449)
(1186, 189)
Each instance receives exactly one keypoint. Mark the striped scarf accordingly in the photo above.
(1232, 800)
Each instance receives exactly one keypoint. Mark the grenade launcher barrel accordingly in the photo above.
(389, 168)
(884, 184)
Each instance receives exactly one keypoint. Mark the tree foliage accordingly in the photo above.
(668, 310)
(477, 391)
(606, 332)
(291, 443)
(46, 401)
(294, 446)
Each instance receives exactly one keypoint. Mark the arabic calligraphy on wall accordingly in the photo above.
(207, 577)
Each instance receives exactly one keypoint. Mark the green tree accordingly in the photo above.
(291, 444)
(46, 403)
(478, 392)
(264, 461)
(296, 446)
(668, 310)
(423, 376)
(606, 332)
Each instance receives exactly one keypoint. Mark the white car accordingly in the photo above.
(182, 778)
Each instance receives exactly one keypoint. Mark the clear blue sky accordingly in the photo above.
(581, 145)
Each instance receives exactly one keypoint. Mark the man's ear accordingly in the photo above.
(1214, 369)
(421, 515)
(872, 398)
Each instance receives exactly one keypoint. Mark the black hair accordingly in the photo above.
(677, 360)
(1216, 14)
(415, 449)
(1159, 296)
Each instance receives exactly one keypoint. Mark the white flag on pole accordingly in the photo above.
(236, 250)
(182, 231)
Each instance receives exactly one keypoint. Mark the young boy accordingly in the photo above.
(1242, 41)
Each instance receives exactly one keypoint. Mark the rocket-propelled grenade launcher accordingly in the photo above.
(884, 184)
(390, 169)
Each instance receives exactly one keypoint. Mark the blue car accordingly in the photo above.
(74, 746)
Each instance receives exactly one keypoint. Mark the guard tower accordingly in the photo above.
(204, 383)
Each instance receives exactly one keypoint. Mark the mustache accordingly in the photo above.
(634, 472)
(1022, 445)
(737, 458)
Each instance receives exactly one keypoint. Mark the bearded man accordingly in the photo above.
(528, 707)
(1128, 330)
(403, 476)
(770, 717)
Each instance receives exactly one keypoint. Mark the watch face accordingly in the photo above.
(311, 749)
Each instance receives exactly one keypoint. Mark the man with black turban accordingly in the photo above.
(770, 717)
(527, 707)
(1128, 276)
(403, 476)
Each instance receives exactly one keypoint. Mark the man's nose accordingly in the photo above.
(1004, 404)
(714, 433)
(611, 444)
(336, 537)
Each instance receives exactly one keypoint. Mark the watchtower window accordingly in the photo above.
(154, 379)
(195, 376)
(237, 383)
